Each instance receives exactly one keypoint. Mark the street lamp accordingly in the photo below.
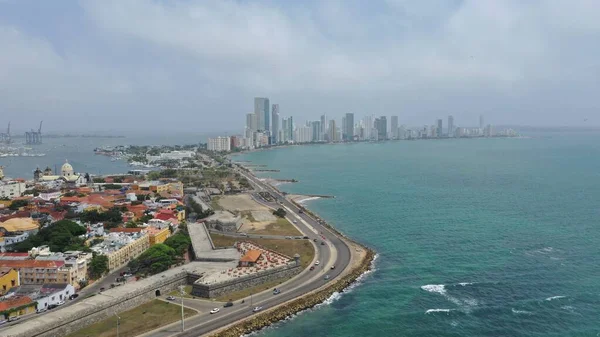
(118, 323)
(181, 291)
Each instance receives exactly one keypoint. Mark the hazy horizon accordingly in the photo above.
(195, 66)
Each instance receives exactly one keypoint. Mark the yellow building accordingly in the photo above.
(18, 306)
(40, 271)
(128, 252)
(157, 235)
(9, 277)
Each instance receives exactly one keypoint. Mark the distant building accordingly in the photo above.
(303, 134)
(219, 144)
(439, 129)
(67, 175)
(381, 125)
(261, 109)
(317, 136)
(323, 126)
(394, 126)
(481, 125)
(450, 126)
(332, 131)
(275, 124)
(348, 127)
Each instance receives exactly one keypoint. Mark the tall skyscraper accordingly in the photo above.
(348, 127)
(332, 131)
(450, 126)
(394, 126)
(438, 131)
(381, 126)
(481, 125)
(368, 127)
(261, 109)
(316, 131)
(291, 127)
(285, 130)
(275, 123)
(323, 126)
(251, 122)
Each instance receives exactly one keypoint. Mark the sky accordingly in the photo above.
(184, 65)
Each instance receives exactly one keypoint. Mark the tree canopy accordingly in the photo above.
(95, 216)
(180, 242)
(155, 259)
(98, 266)
(60, 236)
(280, 212)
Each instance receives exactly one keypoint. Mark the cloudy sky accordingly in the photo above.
(196, 65)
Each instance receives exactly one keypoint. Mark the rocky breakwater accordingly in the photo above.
(292, 307)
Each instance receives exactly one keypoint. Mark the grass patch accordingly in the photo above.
(283, 246)
(248, 216)
(214, 203)
(237, 295)
(146, 317)
(280, 227)
(187, 292)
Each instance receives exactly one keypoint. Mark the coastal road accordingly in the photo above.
(334, 252)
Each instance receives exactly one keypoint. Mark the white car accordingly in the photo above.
(214, 311)
(257, 309)
(295, 221)
(317, 263)
(171, 298)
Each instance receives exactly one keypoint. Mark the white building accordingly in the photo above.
(219, 144)
(11, 189)
(304, 134)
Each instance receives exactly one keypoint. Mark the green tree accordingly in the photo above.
(16, 204)
(180, 242)
(98, 266)
(155, 259)
(280, 212)
(131, 224)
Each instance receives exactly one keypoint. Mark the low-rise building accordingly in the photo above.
(16, 230)
(40, 272)
(76, 261)
(122, 245)
(17, 306)
(157, 235)
(12, 189)
(9, 277)
(45, 296)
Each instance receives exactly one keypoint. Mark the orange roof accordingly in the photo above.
(14, 302)
(251, 256)
(31, 264)
(126, 230)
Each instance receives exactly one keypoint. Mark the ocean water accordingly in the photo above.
(481, 237)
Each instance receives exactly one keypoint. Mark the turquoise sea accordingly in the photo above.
(480, 237)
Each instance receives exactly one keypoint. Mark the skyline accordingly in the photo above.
(137, 65)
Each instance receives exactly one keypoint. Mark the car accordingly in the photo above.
(14, 318)
(314, 240)
(3, 321)
(60, 303)
(102, 289)
(171, 298)
(74, 296)
(288, 237)
(39, 311)
(228, 304)
(317, 263)
(295, 221)
(333, 267)
(305, 237)
(276, 291)
(312, 267)
(214, 311)
(322, 243)
(326, 277)
(257, 309)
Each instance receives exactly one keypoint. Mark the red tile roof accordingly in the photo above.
(251, 256)
(14, 303)
(31, 264)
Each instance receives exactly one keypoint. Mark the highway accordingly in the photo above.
(335, 252)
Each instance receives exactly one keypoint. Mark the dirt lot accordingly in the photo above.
(239, 203)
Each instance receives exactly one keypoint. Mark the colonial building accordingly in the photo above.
(67, 175)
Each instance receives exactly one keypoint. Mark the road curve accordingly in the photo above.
(334, 253)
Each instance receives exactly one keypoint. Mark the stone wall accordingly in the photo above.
(241, 283)
(81, 315)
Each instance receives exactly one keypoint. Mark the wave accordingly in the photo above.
(464, 284)
(466, 304)
(431, 311)
(435, 288)
(568, 308)
(555, 298)
(522, 312)
(303, 201)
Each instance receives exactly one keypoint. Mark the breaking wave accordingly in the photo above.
(555, 298)
(521, 312)
(432, 311)
(466, 304)
(303, 201)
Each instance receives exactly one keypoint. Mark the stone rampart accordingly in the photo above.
(217, 289)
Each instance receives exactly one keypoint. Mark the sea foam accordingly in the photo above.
(432, 311)
(555, 298)
(521, 312)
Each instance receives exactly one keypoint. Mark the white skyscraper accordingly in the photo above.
(304, 134)
(219, 144)
(275, 123)
(394, 127)
(368, 126)
(261, 109)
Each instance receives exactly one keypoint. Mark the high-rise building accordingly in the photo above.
(275, 124)
(323, 126)
(285, 130)
(219, 144)
(251, 121)
(481, 125)
(316, 131)
(348, 127)
(450, 126)
(402, 134)
(438, 131)
(381, 126)
(291, 127)
(304, 134)
(368, 127)
(332, 131)
(261, 109)
(394, 126)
